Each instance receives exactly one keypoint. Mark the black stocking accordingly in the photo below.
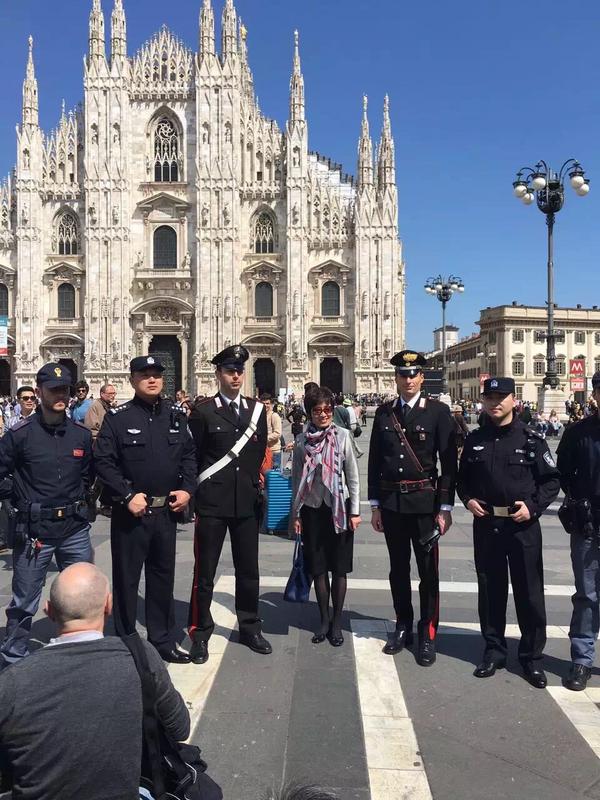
(338, 595)
(323, 590)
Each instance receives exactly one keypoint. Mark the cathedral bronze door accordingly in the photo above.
(264, 376)
(332, 374)
(167, 350)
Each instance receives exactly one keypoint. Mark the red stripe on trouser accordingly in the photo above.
(194, 598)
(433, 623)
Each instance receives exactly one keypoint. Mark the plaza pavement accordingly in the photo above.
(369, 725)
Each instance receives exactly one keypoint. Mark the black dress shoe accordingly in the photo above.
(535, 675)
(199, 652)
(336, 640)
(318, 638)
(174, 655)
(398, 640)
(426, 654)
(256, 642)
(488, 667)
(578, 678)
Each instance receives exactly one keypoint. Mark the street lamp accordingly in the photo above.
(443, 289)
(542, 184)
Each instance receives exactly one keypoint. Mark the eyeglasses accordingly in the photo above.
(318, 410)
(27, 397)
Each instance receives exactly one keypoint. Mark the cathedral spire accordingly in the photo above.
(30, 91)
(97, 48)
(207, 29)
(296, 86)
(365, 150)
(247, 79)
(118, 31)
(386, 170)
(229, 42)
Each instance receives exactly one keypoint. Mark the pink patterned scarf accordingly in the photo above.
(322, 447)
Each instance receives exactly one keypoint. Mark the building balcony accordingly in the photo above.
(262, 322)
(67, 325)
(330, 322)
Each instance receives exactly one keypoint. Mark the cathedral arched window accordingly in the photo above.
(330, 299)
(67, 235)
(3, 300)
(264, 234)
(66, 301)
(166, 152)
(165, 248)
(263, 300)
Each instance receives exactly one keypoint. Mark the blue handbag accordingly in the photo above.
(298, 585)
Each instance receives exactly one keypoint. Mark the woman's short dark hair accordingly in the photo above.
(321, 395)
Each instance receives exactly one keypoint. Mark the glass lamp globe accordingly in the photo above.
(539, 182)
(438, 287)
(583, 189)
(519, 189)
(577, 180)
(528, 198)
(461, 287)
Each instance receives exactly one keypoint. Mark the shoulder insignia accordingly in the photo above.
(244, 402)
(422, 402)
(122, 407)
(218, 402)
(548, 459)
(532, 432)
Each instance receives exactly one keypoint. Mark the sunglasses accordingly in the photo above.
(322, 410)
(26, 397)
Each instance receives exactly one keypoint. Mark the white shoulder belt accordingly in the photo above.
(236, 449)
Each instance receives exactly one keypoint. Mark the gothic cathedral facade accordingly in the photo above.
(168, 215)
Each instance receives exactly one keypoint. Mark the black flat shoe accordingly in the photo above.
(426, 655)
(174, 655)
(578, 678)
(318, 638)
(398, 640)
(488, 667)
(335, 641)
(535, 676)
(199, 652)
(256, 642)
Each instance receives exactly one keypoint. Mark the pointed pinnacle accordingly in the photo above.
(64, 107)
(30, 66)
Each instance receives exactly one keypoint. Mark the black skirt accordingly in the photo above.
(324, 549)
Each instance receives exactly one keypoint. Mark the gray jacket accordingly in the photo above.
(350, 477)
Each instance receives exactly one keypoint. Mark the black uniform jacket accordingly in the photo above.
(502, 464)
(234, 490)
(145, 448)
(51, 465)
(430, 431)
(579, 460)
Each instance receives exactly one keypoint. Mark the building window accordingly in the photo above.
(519, 391)
(264, 234)
(539, 337)
(166, 152)
(559, 337)
(518, 335)
(539, 366)
(165, 248)
(518, 366)
(67, 235)
(3, 300)
(330, 299)
(263, 300)
(597, 338)
(597, 365)
(493, 368)
(561, 366)
(66, 301)
(579, 337)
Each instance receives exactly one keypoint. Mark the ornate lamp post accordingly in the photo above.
(443, 289)
(547, 188)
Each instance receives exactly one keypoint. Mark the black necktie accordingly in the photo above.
(234, 410)
(404, 412)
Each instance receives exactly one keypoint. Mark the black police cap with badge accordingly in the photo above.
(53, 375)
(499, 385)
(140, 363)
(233, 357)
(408, 363)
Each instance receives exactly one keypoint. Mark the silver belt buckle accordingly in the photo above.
(158, 502)
(500, 511)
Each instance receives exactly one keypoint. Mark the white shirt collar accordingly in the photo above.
(411, 403)
(227, 400)
(80, 636)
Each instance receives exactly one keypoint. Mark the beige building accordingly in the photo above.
(169, 215)
(512, 342)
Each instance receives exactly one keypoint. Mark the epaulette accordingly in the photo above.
(122, 407)
(532, 432)
(21, 424)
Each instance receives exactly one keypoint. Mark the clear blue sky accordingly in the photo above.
(478, 88)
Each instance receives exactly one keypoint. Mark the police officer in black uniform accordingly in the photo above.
(227, 499)
(409, 500)
(145, 458)
(507, 478)
(50, 460)
(579, 466)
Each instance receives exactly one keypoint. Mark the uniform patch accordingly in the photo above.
(422, 402)
(78, 453)
(478, 447)
(549, 460)
(133, 430)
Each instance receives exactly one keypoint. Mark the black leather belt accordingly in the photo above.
(35, 511)
(404, 487)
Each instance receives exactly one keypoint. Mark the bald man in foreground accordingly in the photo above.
(71, 714)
